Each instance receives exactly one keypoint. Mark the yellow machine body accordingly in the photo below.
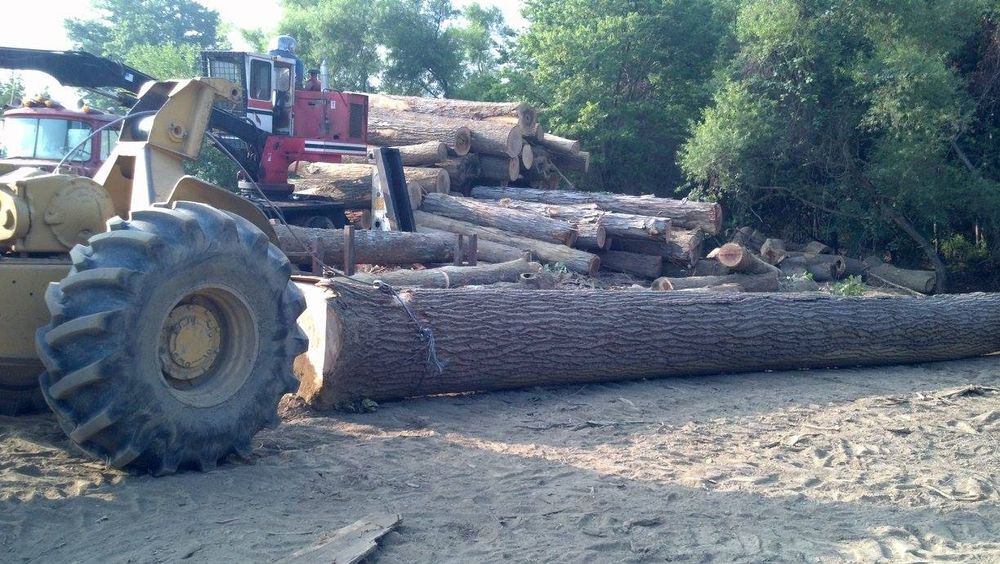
(44, 215)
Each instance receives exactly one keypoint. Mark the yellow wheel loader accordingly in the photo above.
(155, 306)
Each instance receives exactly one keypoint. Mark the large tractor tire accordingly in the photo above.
(172, 339)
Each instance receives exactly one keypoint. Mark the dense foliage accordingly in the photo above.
(871, 123)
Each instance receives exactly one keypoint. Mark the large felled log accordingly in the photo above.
(643, 266)
(575, 162)
(615, 224)
(773, 251)
(738, 258)
(549, 253)
(352, 183)
(823, 268)
(749, 237)
(370, 247)
(421, 154)
(499, 168)
(710, 267)
(693, 215)
(749, 282)
(362, 344)
(486, 250)
(492, 215)
(525, 116)
(683, 248)
(558, 144)
(527, 156)
(392, 130)
(917, 280)
(455, 276)
(485, 137)
(461, 171)
(591, 237)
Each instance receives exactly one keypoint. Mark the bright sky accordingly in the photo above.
(37, 30)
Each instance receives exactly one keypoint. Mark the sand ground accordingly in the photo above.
(895, 463)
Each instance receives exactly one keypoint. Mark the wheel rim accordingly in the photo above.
(207, 346)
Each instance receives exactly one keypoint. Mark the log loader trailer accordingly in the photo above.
(165, 315)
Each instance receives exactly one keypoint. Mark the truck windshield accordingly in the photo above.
(47, 138)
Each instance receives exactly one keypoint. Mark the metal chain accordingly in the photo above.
(425, 332)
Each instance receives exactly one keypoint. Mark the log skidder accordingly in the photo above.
(172, 339)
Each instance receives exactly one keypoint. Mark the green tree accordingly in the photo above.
(851, 117)
(624, 78)
(12, 89)
(121, 25)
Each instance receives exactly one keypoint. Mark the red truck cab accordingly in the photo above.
(43, 136)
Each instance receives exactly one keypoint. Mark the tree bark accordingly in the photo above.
(461, 171)
(486, 250)
(749, 237)
(710, 267)
(738, 258)
(940, 272)
(683, 248)
(922, 281)
(549, 253)
(643, 266)
(525, 116)
(591, 237)
(557, 144)
(625, 225)
(490, 214)
(577, 162)
(370, 247)
(824, 268)
(486, 137)
(692, 215)
(499, 168)
(416, 192)
(454, 276)
(352, 183)
(421, 154)
(393, 130)
(749, 282)
(362, 344)
(773, 251)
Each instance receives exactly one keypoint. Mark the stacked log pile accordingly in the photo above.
(458, 143)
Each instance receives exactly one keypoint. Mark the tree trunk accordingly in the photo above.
(683, 248)
(454, 276)
(591, 237)
(922, 281)
(525, 116)
(486, 251)
(492, 215)
(693, 215)
(749, 282)
(486, 137)
(710, 267)
(624, 225)
(421, 154)
(940, 272)
(362, 344)
(823, 268)
(461, 171)
(370, 247)
(558, 144)
(499, 168)
(773, 251)
(527, 156)
(738, 258)
(749, 237)
(643, 266)
(352, 183)
(393, 130)
(577, 162)
(549, 253)
(416, 192)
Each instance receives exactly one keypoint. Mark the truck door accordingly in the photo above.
(260, 92)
